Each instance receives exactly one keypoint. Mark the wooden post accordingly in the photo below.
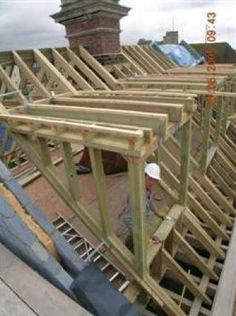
(99, 180)
(206, 138)
(71, 175)
(185, 161)
(138, 210)
(221, 104)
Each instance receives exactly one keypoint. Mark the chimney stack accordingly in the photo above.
(94, 24)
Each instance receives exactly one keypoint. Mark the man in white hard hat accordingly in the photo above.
(152, 176)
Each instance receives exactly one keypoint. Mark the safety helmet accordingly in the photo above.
(153, 170)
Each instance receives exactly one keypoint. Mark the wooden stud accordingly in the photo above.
(138, 211)
(185, 161)
(99, 180)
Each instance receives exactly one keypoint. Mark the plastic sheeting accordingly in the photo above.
(182, 55)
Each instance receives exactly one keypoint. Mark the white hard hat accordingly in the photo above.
(153, 171)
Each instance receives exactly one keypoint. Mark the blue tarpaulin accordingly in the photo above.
(183, 55)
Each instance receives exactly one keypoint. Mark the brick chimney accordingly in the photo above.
(94, 24)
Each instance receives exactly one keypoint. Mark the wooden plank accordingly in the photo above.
(150, 93)
(11, 86)
(187, 102)
(135, 53)
(208, 201)
(137, 60)
(174, 111)
(224, 174)
(50, 172)
(145, 84)
(136, 142)
(26, 71)
(185, 161)
(197, 303)
(138, 205)
(100, 184)
(98, 83)
(228, 165)
(127, 69)
(97, 67)
(3, 87)
(221, 183)
(158, 68)
(186, 303)
(136, 68)
(194, 256)
(164, 230)
(204, 215)
(118, 72)
(221, 102)
(70, 171)
(206, 138)
(184, 277)
(53, 72)
(229, 150)
(193, 225)
(61, 61)
(217, 195)
(158, 122)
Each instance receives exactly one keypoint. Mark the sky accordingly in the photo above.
(26, 23)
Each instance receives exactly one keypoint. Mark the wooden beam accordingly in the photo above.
(11, 86)
(164, 230)
(138, 210)
(61, 61)
(136, 68)
(197, 303)
(76, 61)
(194, 256)
(206, 138)
(209, 202)
(70, 171)
(184, 277)
(26, 71)
(158, 122)
(174, 111)
(217, 195)
(193, 225)
(97, 67)
(185, 161)
(204, 215)
(136, 141)
(221, 183)
(53, 72)
(100, 184)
